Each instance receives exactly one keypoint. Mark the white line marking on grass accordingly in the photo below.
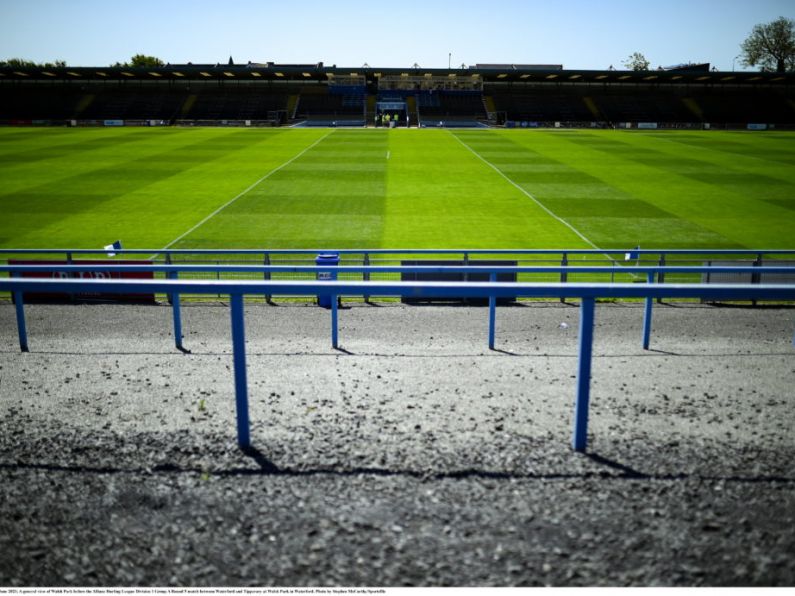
(523, 191)
(246, 191)
(536, 201)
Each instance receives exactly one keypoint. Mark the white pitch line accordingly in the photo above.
(249, 189)
(536, 201)
(527, 194)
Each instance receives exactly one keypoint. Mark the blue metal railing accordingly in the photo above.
(467, 256)
(587, 293)
(642, 252)
(173, 271)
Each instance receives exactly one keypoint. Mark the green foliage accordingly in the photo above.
(636, 61)
(771, 46)
(21, 63)
(141, 61)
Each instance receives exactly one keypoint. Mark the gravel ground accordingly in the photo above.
(413, 456)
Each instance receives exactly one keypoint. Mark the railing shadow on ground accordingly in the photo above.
(609, 470)
(343, 351)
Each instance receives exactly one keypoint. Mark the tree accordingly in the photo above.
(771, 46)
(140, 61)
(145, 61)
(637, 61)
(20, 63)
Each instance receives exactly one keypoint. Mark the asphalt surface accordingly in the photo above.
(412, 456)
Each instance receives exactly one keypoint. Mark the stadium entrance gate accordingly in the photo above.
(396, 109)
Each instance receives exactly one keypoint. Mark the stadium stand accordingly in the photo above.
(144, 102)
(454, 108)
(313, 94)
(37, 102)
(327, 105)
(612, 105)
(541, 105)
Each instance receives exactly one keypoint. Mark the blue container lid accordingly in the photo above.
(331, 258)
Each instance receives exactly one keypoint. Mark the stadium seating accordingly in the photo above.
(454, 108)
(640, 104)
(322, 103)
(143, 102)
(35, 102)
(541, 105)
(320, 107)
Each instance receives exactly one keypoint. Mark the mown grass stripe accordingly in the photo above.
(714, 204)
(526, 193)
(244, 192)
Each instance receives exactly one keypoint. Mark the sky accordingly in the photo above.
(578, 34)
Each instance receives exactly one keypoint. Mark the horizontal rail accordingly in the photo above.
(414, 289)
(473, 269)
(237, 289)
(401, 251)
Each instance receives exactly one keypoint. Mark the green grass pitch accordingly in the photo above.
(340, 188)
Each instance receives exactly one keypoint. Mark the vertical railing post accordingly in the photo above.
(218, 275)
(564, 275)
(661, 274)
(756, 277)
(647, 315)
(239, 358)
(492, 313)
(466, 275)
(176, 311)
(334, 336)
(70, 261)
(266, 260)
(366, 274)
(168, 262)
(580, 434)
(22, 329)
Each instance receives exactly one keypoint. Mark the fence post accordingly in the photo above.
(564, 276)
(756, 277)
(334, 336)
(661, 274)
(366, 274)
(21, 327)
(168, 262)
(239, 358)
(492, 313)
(177, 314)
(466, 275)
(647, 315)
(266, 260)
(218, 275)
(70, 261)
(580, 434)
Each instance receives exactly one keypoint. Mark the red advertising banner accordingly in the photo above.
(86, 296)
